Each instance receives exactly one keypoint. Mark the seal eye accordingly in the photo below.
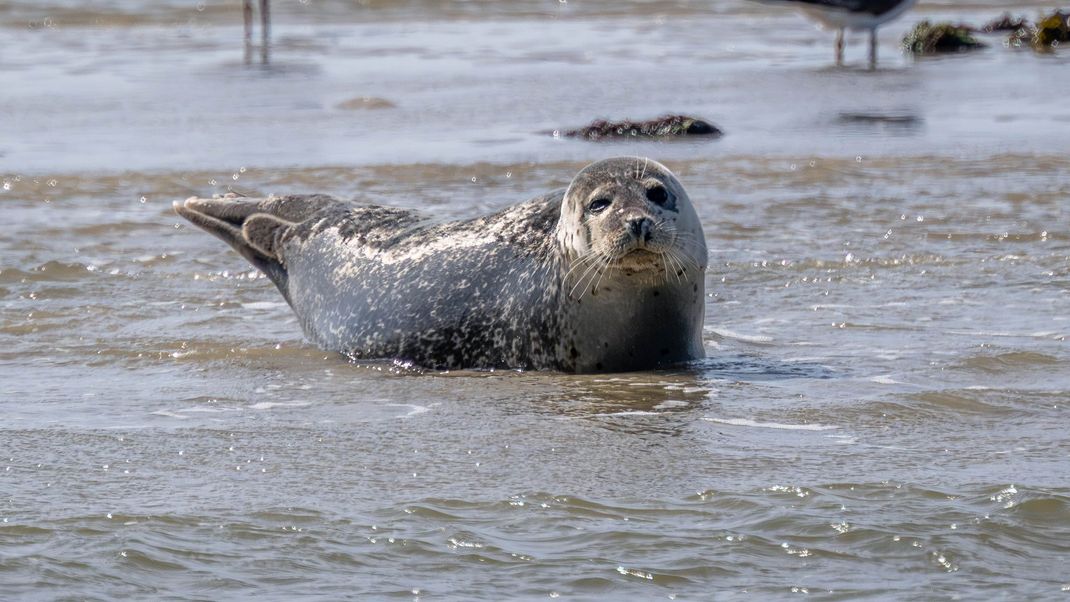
(659, 196)
(599, 205)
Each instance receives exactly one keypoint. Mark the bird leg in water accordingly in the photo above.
(839, 47)
(265, 30)
(873, 48)
(247, 15)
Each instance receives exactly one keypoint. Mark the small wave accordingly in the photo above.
(184, 413)
(267, 405)
(1043, 334)
(960, 401)
(885, 379)
(1011, 361)
(771, 425)
(416, 409)
(263, 304)
(52, 271)
(672, 403)
(746, 338)
(169, 414)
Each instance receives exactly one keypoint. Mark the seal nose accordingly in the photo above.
(641, 228)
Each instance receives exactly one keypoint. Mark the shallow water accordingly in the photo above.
(881, 413)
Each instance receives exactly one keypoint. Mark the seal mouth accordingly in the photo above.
(639, 258)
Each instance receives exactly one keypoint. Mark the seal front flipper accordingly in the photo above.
(255, 227)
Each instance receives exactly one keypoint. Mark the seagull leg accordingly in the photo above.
(873, 49)
(247, 14)
(839, 47)
(265, 30)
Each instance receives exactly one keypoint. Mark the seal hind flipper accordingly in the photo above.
(255, 227)
(264, 232)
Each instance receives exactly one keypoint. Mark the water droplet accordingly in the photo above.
(7, 185)
(142, 200)
(212, 182)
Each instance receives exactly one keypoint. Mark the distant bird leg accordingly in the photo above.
(247, 14)
(856, 15)
(872, 49)
(265, 30)
(839, 47)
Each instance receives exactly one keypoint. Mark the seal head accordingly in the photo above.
(636, 258)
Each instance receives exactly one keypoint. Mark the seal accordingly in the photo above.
(604, 276)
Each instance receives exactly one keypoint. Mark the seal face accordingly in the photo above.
(607, 275)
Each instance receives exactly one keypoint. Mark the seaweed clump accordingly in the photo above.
(940, 38)
(661, 127)
(1048, 33)
(1004, 23)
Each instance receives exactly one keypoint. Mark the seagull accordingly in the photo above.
(855, 15)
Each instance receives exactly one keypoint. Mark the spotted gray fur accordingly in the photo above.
(607, 275)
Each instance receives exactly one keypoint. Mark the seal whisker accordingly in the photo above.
(579, 261)
(589, 273)
(601, 274)
(686, 242)
(590, 263)
(585, 280)
(665, 264)
(678, 267)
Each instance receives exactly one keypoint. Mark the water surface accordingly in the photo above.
(881, 413)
